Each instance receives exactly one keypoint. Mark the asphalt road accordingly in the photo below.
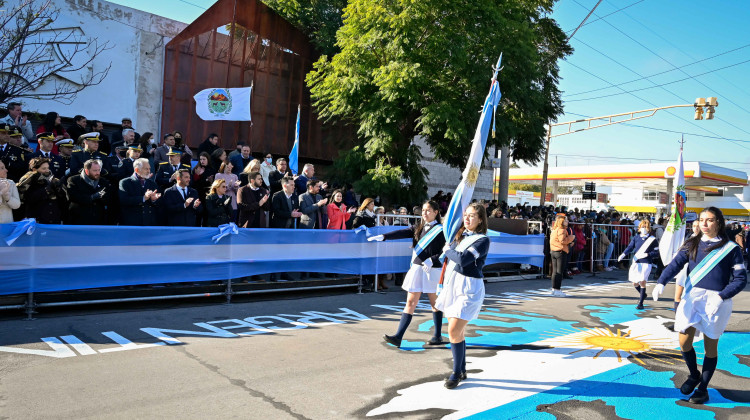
(589, 356)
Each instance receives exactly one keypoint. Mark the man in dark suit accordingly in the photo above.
(90, 151)
(166, 172)
(88, 196)
(16, 159)
(274, 178)
(240, 160)
(78, 128)
(285, 205)
(56, 164)
(181, 203)
(252, 202)
(138, 196)
(311, 204)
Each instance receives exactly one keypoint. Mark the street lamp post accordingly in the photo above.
(700, 103)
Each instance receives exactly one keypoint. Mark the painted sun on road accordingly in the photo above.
(619, 342)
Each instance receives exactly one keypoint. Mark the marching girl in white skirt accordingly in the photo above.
(424, 274)
(462, 294)
(716, 273)
(682, 275)
(646, 249)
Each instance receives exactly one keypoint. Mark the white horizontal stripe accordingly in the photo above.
(739, 266)
(474, 252)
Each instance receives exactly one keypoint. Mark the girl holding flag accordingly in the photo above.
(646, 249)
(463, 286)
(716, 273)
(424, 274)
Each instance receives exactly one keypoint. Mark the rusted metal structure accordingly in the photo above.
(266, 52)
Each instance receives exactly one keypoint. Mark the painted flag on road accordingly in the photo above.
(223, 104)
(464, 191)
(674, 234)
(294, 154)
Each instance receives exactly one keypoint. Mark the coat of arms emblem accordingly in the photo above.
(219, 102)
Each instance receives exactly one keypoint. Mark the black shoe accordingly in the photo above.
(699, 397)
(436, 341)
(639, 306)
(392, 340)
(689, 385)
(452, 383)
(461, 377)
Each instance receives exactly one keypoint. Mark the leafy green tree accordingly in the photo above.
(318, 19)
(411, 68)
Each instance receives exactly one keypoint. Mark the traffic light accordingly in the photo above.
(699, 104)
(712, 102)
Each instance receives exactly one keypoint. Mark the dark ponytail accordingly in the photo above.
(420, 226)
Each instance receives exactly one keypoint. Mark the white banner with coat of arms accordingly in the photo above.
(224, 104)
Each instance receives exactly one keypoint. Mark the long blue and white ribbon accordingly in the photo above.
(225, 230)
(26, 226)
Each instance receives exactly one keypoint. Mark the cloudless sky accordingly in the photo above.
(645, 43)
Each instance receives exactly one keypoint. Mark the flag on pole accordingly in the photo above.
(674, 234)
(464, 191)
(294, 154)
(224, 104)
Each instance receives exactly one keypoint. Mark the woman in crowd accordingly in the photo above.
(580, 246)
(383, 220)
(463, 285)
(9, 198)
(52, 124)
(646, 249)
(218, 157)
(252, 166)
(559, 244)
(365, 215)
(716, 273)
(181, 144)
(424, 274)
(233, 184)
(218, 205)
(148, 144)
(337, 211)
(605, 248)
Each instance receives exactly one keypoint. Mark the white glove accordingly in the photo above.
(713, 302)
(640, 255)
(376, 238)
(427, 265)
(658, 290)
(446, 247)
(620, 257)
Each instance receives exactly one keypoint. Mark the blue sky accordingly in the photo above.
(655, 42)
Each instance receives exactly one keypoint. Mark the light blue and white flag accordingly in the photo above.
(294, 154)
(674, 234)
(465, 189)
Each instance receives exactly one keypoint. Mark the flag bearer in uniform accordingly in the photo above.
(463, 286)
(716, 273)
(646, 249)
(424, 274)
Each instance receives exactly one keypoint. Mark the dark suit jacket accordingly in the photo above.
(310, 218)
(133, 210)
(82, 208)
(274, 178)
(218, 210)
(250, 212)
(164, 174)
(174, 205)
(281, 214)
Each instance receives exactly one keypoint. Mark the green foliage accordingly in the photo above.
(422, 67)
(318, 19)
(524, 187)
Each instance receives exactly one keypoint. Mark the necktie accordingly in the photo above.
(174, 168)
(184, 193)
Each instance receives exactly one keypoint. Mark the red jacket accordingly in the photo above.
(337, 217)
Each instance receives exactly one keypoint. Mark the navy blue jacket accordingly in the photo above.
(635, 244)
(470, 262)
(432, 250)
(728, 278)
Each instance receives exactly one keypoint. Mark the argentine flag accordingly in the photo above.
(294, 154)
(674, 234)
(465, 189)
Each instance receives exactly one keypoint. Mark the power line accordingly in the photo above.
(659, 73)
(638, 159)
(600, 18)
(668, 62)
(193, 4)
(584, 20)
(661, 84)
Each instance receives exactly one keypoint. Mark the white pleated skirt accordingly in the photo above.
(416, 280)
(692, 313)
(639, 272)
(462, 296)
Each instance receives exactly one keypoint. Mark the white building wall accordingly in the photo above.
(133, 87)
(443, 177)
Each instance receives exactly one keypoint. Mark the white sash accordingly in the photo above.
(706, 265)
(645, 245)
(463, 246)
(424, 242)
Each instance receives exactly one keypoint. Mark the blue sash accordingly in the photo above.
(463, 246)
(426, 239)
(706, 265)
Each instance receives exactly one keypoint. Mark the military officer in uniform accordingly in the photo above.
(91, 151)
(16, 160)
(56, 164)
(65, 147)
(166, 173)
